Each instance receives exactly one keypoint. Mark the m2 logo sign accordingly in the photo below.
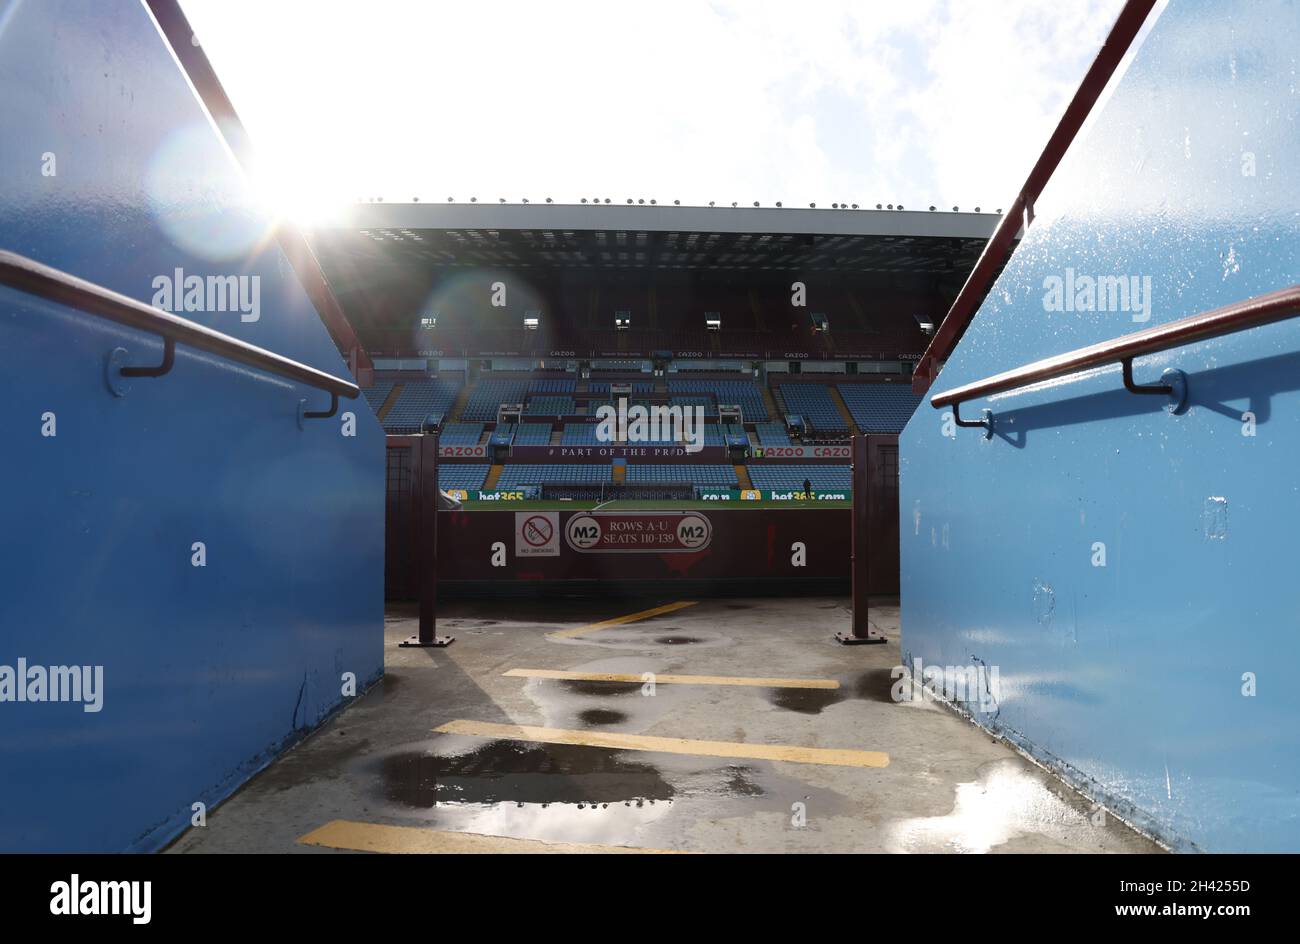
(636, 533)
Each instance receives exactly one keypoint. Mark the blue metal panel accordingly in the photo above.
(208, 671)
(1128, 677)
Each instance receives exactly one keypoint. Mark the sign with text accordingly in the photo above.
(600, 532)
(806, 452)
(641, 452)
(462, 452)
(537, 534)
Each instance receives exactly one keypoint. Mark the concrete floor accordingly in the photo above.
(947, 787)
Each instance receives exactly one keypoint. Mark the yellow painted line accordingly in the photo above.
(374, 837)
(673, 679)
(836, 757)
(620, 620)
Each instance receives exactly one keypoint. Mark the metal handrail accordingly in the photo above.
(1239, 316)
(1021, 211)
(34, 278)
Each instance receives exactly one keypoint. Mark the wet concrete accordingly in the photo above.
(948, 787)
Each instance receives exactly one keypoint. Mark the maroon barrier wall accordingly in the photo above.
(660, 548)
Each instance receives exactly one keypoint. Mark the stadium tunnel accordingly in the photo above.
(264, 459)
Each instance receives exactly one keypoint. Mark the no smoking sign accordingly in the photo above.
(537, 534)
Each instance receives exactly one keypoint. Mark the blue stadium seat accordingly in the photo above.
(813, 402)
(719, 475)
(746, 393)
(418, 400)
(825, 477)
(550, 406)
(515, 474)
(460, 434)
(772, 434)
(532, 434)
(462, 475)
(880, 408)
(488, 395)
(552, 385)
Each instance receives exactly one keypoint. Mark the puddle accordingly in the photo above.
(601, 716)
(513, 772)
(806, 701)
(871, 685)
(647, 637)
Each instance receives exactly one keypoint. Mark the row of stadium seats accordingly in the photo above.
(420, 399)
(376, 395)
(462, 475)
(514, 475)
(743, 392)
(824, 477)
(793, 476)
(638, 386)
(875, 408)
(488, 395)
(772, 434)
(460, 434)
(531, 434)
(723, 476)
(550, 406)
(813, 402)
(880, 408)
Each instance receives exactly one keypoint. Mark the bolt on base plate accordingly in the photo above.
(413, 642)
(848, 639)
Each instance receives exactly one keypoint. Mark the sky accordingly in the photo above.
(911, 102)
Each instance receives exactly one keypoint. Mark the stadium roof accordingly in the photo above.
(619, 236)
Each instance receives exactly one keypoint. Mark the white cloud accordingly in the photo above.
(918, 103)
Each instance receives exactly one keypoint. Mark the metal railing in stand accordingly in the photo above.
(45, 282)
(1239, 316)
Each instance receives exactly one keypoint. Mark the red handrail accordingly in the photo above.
(1250, 313)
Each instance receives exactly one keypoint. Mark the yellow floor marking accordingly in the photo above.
(620, 620)
(836, 757)
(673, 679)
(374, 837)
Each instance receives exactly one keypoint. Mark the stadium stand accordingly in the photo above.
(532, 434)
(420, 399)
(793, 476)
(772, 434)
(813, 402)
(377, 394)
(705, 403)
(602, 386)
(552, 385)
(513, 474)
(550, 406)
(651, 473)
(461, 434)
(880, 408)
(489, 393)
(456, 475)
(579, 434)
(744, 392)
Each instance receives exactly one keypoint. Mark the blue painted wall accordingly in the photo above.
(1128, 677)
(208, 671)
